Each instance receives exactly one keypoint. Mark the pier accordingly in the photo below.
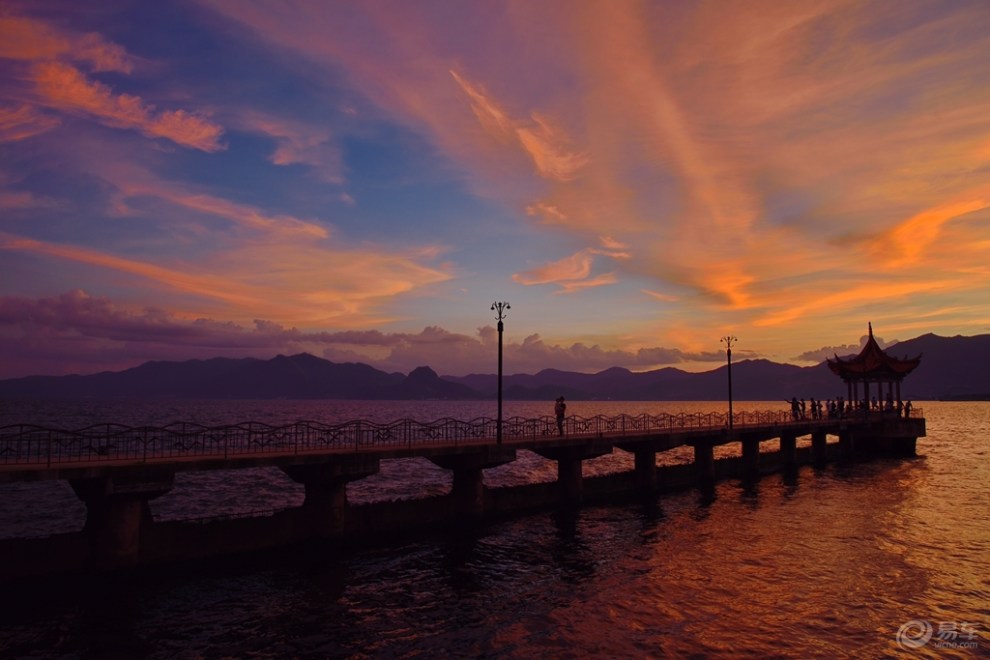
(117, 470)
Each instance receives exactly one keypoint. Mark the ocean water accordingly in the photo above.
(889, 558)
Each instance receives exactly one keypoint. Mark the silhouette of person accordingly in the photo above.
(559, 409)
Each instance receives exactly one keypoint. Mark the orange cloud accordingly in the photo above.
(575, 267)
(571, 274)
(299, 144)
(241, 214)
(23, 122)
(907, 242)
(544, 144)
(293, 283)
(27, 39)
(65, 88)
(548, 212)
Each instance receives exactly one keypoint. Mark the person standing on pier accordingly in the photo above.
(559, 409)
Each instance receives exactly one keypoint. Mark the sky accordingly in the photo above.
(363, 180)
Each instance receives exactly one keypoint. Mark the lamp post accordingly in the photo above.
(499, 308)
(727, 340)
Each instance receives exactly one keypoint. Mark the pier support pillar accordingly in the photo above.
(325, 507)
(116, 511)
(904, 447)
(646, 471)
(819, 448)
(569, 461)
(570, 479)
(751, 457)
(788, 449)
(468, 490)
(847, 445)
(704, 461)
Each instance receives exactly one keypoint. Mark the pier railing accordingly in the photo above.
(23, 444)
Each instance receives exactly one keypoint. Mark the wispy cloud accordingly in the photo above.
(63, 87)
(290, 282)
(298, 143)
(545, 144)
(23, 38)
(23, 122)
(777, 170)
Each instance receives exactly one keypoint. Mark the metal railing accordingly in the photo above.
(23, 444)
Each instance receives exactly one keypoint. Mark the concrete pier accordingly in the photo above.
(704, 461)
(116, 511)
(751, 457)
(468, 490)
(819, 447)
(569, 460)
(325, 506)
(119, 530)
(788, 449)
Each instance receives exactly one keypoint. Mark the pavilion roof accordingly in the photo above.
(873, 363)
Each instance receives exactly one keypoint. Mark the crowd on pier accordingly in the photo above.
(839, 407)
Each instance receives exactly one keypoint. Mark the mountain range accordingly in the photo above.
(951, 367)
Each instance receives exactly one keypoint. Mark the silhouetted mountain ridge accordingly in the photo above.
(951, 367)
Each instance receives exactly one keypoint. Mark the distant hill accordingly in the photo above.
(951, 368)
(302, 376)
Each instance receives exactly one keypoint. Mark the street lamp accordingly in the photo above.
(727, 340)
(499, 308)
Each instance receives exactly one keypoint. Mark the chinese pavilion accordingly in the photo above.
(873, 365)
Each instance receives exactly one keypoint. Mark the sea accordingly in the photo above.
(887, 558)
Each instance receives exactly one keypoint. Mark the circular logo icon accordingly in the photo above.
(914, 634)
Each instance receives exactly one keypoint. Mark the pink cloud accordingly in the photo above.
(571, 273)
(27, 39)
(575, 267)
(78, 333)
(65, 88)
(23, 122)
(545, 144)
(298, 143)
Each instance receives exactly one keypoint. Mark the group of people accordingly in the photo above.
(839, 407)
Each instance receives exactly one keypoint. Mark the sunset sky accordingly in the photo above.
(361, 180)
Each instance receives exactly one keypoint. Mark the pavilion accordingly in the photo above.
(873, 365)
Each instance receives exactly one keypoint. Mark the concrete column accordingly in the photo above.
(646, 471)
(847, 445)
(468, 490)
(819, 448)
(570, 479)
(325, 506)
(904, 446)
(751, 457)
(116, 511)
(788, 449)
(704, 461)
(569, 460)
